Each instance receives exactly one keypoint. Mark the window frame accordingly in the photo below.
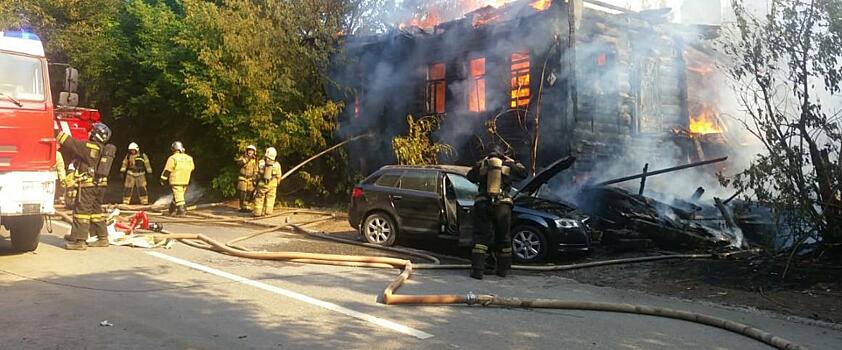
(436, 88)
(476, 85)
(520, 73)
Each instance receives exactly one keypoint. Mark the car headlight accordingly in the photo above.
(567, 223)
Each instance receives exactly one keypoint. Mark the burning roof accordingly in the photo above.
(479, 12)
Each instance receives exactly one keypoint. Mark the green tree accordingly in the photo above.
(217, 75)
(784, 64)
(416, 147)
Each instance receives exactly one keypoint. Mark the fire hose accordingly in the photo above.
(391, 298)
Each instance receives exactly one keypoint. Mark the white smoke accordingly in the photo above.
(194, 194)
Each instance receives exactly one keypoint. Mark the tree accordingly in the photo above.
(787, 68)
(416, 147)
(217, 75)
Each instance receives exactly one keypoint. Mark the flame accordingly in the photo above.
(434, 13)
(541, 5)
(705, 121)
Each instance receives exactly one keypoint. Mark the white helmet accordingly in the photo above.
(271, 153)
(251, 147)
(134, 146)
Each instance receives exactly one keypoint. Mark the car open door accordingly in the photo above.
(418, 202)
(464, 193)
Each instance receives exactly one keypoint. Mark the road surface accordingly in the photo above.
(187, 298)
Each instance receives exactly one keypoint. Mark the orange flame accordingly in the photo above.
(705, 121)
(433, 14)
(541, 5)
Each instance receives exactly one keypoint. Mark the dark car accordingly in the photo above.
(436, 201)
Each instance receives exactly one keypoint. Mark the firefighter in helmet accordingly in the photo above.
(177, 174)
(492, 210)
(88, 217)
(269, 176)
(248, 164)
(135, 167)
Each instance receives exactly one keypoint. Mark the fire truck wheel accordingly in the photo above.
(25, 232)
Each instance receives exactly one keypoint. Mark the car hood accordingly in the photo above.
(531, 185)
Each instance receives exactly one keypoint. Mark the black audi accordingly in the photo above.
(436, 201)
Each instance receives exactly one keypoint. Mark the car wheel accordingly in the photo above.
(379, 228)
(528, 244)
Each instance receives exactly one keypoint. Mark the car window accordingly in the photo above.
(465, 189)
(388, 179)
(419, 181)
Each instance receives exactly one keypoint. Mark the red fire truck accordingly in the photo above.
(27, 142)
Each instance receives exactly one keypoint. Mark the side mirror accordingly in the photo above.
(71, 79)
(68, 99)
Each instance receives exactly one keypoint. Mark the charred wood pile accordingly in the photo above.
(629, 220)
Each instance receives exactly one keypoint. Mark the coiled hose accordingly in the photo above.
(391, 298)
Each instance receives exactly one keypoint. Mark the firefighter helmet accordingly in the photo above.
(497, 151)
(271, 153)
(100, 133)
(134, 146)
(251, 147)
(177, 146)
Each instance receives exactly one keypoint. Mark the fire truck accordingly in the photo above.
(28, 119)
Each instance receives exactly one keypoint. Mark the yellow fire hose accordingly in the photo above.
(390, 298)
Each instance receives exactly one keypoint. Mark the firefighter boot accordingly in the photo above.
(181, 211)
(504, 261)
(100, 243)
(69, 238)
(171, 209)
(478, 256)
(76, 245)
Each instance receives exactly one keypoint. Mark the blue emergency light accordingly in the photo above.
(21, 35)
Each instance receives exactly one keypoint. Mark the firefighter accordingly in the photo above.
(70, 187)
(267, 185)
(61, 176)
(135, 167)
(492, 210)
(88, 217)
(177, 175)
(248, 164)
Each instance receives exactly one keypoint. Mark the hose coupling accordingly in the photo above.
(471, 298)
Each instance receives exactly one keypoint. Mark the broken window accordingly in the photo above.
(436, 87)
(520, 79)
(476, 85)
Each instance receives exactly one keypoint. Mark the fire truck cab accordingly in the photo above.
(27, 141)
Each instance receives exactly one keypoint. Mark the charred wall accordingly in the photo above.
(383, 79)
(632, 88)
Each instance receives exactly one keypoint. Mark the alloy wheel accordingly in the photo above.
(526, 244)
(378, 230)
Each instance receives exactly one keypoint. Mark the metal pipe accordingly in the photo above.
(661, 171)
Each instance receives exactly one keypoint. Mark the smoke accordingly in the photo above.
(388, 74)
(194, 194)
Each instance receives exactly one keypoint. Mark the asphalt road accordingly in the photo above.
(187, 298)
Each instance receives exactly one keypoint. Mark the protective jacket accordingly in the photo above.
(136, 165)
(178, 169)
(494, 176)
(61, 172)
(86, 157)
(270, 173)
(249, 167)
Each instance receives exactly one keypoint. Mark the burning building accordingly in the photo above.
(637, 85)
